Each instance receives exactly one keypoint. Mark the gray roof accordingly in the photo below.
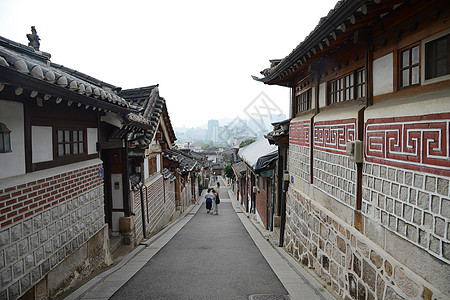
(256, 150)
(17, 60)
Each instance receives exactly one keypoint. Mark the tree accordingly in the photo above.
(229, 171)
(246, 142)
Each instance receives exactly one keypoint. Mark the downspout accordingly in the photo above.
(142, 203)
(273, 199)
(283, 207)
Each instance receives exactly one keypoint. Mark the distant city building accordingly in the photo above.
(213, 130)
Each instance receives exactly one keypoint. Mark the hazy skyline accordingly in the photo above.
(201, 53)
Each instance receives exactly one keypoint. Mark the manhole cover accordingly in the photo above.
(268, 297)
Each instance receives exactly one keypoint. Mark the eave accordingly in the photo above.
(14, 78)
(331, 32)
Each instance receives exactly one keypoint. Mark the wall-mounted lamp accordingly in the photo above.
(5, 138)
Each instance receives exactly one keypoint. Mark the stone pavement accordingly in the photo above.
(122, 280)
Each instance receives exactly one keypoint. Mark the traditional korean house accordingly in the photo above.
(52, 173)
(148, 132)
(260, 158)
(238, 186)
(186, 170)
(369, 161)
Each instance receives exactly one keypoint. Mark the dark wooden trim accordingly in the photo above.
(27, 136)
(61, 162)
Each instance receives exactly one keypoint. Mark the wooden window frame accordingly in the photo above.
(71, 142)
(152, 165)
(347, 87)
(428, 63)
(303, 96)
(409, 67)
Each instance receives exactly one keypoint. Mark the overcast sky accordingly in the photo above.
(201, 53)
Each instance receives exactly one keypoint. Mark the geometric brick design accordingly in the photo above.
(419, 143)
(332, 136)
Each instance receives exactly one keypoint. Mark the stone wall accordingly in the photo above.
(154, 198)
(169, 200)
(351, 264)
(299, 149)
(333, 173)
(46, 218)
(138, 231)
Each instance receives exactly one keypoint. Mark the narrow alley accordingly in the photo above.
(205, 256)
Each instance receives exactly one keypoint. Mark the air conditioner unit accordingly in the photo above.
(355, 150)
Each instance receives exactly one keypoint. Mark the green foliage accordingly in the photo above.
(209, 147)
(228, 171)
(246, 142)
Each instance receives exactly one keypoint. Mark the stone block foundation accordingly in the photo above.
(350, 264)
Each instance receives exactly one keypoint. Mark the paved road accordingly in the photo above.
(211, 257)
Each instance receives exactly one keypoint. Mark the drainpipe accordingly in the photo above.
(283, 206)
(142, 202)
(273, 199)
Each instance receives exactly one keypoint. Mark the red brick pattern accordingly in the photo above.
(299, 133)
(26, 200)
(419, 143)
(332, 136)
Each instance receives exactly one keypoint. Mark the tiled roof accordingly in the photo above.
(151, 108)
(239, 167)
(345, 11)
(19, 59)
(280, 129)
(187, 164)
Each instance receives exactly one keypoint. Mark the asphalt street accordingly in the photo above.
(211, 257)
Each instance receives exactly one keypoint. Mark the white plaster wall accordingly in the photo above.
(146, 168)
(42, 143)
(92, 138)
(422, 104)
(383, 75)
(158, 163)
(13, 163)
(313, 97)
(322, 95)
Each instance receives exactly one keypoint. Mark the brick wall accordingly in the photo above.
(138, 231)
(299, 150)
(154, 195)
(261, 201)
(45, 217)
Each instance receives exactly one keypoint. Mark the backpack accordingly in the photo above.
(217, 199)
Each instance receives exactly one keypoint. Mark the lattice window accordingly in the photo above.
(348, 87)
(70, 142)
(303, 101)
(303, 95)
(409, 68)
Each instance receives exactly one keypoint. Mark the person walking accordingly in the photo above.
(214, 204)
(209, 201)
(217, 200)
